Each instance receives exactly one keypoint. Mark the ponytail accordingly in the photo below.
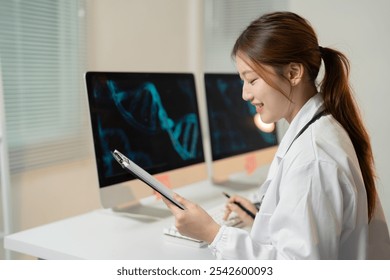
(339, 102)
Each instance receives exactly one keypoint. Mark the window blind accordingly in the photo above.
(42, 51)
(224, 21)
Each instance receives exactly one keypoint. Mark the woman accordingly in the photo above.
(320, 195)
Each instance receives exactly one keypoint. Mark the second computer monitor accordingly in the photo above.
(239, 148)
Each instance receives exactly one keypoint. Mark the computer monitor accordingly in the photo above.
(153, 119)
(241, 152)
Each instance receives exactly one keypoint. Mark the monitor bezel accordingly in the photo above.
(126, 177)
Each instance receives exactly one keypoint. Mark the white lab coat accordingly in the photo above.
(315, 204)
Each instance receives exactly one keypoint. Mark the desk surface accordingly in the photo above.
(104, 234)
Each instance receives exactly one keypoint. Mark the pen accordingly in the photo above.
(242, 207)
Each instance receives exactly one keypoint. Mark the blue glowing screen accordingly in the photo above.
(231, 125)
(152, 118)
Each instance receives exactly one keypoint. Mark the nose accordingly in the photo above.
(246, 94)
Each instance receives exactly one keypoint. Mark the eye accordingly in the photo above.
(251, 82)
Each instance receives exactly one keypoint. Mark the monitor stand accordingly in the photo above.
(122, 200)
(141, 212)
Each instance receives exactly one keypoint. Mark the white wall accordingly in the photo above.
(139, 35)
(360, 29)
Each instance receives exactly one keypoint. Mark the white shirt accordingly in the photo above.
(315, 204)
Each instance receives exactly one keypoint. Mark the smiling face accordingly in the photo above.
(270, 103)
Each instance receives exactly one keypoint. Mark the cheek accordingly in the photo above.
(271, 96)
(261, 90)
(278, 102)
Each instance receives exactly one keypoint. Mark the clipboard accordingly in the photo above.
(144, 176)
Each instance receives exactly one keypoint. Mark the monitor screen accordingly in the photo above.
(152, 118)
(232, 128)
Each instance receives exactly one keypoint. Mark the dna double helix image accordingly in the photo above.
(150, 129)
(147, 113)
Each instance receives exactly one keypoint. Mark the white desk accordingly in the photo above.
(102, 234)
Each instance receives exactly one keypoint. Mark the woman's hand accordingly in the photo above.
(231, 206)
(193, 222)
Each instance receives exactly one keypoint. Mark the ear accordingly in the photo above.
(294, 73)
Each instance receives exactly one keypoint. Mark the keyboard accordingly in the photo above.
(173, 235)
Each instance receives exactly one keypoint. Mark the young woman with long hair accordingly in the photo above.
(320, 195)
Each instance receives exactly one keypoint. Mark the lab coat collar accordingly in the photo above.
(312, 107)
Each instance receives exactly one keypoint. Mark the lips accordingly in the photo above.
(259, 107)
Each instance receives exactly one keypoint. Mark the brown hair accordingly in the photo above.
(277, 39)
